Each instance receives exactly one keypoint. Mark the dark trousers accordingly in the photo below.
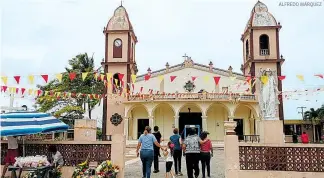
(192, 162)
(177, 154)
(156, 159)
(205, 162)
(147, 159)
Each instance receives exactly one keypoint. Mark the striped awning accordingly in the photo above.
(27, 123)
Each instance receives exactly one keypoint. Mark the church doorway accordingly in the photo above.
(189, 118)
(141, 124)
(239, 129)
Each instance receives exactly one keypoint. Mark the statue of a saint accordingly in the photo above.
(268, 98)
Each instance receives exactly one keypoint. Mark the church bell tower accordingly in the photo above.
(261, 48)
(120, 41)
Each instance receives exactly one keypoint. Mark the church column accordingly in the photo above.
(176, 121)
(204, 123)
(151, 121)
(126, 128)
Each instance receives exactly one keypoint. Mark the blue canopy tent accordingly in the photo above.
(27, 123)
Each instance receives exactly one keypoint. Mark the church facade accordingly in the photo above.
(190, 93)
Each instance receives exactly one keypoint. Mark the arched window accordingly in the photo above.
(247, 49)
(116, 83)
(118, 48)
(264, 45)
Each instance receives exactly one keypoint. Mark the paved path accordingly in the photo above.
(134, 170)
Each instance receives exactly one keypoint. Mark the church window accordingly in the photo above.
(247, 49)
(116, 83)
(264, 45)
(118, 48)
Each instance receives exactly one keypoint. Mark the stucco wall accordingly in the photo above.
(164, 118)
(216, 115)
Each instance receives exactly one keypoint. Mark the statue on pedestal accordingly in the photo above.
(268, 97)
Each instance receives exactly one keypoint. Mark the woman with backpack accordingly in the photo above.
(177, 151)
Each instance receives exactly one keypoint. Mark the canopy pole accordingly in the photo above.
(23, 146)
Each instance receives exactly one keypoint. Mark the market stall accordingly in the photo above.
(27, 123)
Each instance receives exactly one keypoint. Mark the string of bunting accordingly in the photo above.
(109, 77)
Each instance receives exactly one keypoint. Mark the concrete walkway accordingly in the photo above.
(134, 167)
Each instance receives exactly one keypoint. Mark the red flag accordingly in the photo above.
(17, 78)
(172, 78)
(193, 78)
(4, 88)
(39, 92)
(17, 90)
(72, 75)
(281, 78)
(23, 90)
(319, 75)
(45, 77)
(120, 76)
(147, 77)
(248, 78)
(216, 79)
(141, 89)
(73, 94)
(133, 86)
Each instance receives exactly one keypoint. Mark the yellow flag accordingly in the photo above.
(102, 76)
(116, 81)
(30, 91)
(59, 77)
(133, 78)
(4, 79)
(264, 79)
(31, 79)
(84, 75)
(46, 93)
(58, 93)
(161, 77)
(232, 78)
(108, 75)
(206, 79)
(96, 76)
(300, 77)
(12, 89)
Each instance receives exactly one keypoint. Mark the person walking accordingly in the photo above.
(146, 142)
(168, 153)
(177, 151)
(206, 152)
(295, 137)
(191, 149)
(158, 137)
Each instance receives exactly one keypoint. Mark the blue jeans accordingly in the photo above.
(147, 157)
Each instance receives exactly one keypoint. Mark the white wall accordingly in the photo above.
(183, 76)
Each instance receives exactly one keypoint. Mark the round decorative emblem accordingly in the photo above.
(116, 119)
(189, 86)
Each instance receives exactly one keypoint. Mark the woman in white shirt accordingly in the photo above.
(56, 155)
(168, 155)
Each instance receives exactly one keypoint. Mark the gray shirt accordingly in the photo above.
(192, 144)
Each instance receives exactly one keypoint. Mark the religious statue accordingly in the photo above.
(268, 98)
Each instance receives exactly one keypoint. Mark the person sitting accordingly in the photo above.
(12, 153)
(56, 156)
(304, 138)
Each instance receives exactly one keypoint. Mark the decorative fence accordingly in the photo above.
(192, 96)
(73, 153)
(300, 159)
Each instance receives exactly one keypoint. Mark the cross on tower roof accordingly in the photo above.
(185, 55)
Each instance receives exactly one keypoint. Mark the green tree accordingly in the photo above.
(70, 108)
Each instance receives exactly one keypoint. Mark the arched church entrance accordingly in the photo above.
(190, 114)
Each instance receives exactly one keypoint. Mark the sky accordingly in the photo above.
(39, 36)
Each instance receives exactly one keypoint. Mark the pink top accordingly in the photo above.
(206, 147)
